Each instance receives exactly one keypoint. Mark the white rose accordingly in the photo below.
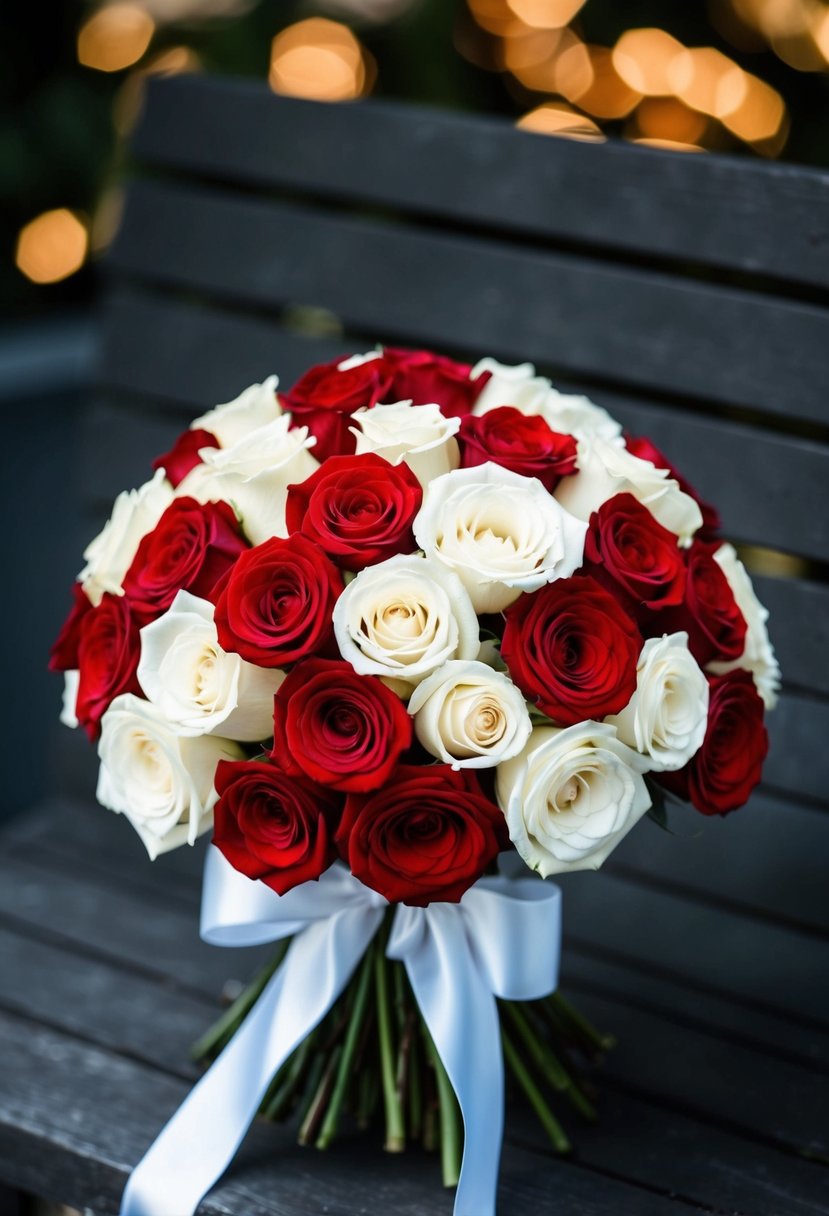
(666, 717)
(198, 687)
(71, 683)
(161, 781)
(416, 434)
(605, 470)
(517, 386)
(403, 618)
(758, 655)
(570, 796)
(470, 716)
(109, 556)
(500, 532)
(358, 360)
(252, 409)
(576, 415)
(254, 476)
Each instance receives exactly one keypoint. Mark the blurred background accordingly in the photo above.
(745, 77)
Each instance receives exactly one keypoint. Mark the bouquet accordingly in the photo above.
(408, 638)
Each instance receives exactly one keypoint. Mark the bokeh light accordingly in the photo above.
(52, 246)
(115, 37)
(643, 59)
(321, 60)
(553, 119)
(546, 14)
(708, 81)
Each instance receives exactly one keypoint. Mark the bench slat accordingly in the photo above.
(632, 326)
(718, 210)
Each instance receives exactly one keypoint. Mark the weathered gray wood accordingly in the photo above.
(724, 211)
(636, 327)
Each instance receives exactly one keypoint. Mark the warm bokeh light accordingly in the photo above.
(643, 58)
(761, 115)
(115, 37)
(127, 105)
(554, 119)
(708, 81)
(668, 145)
(572, 67)
(820, 33)
(496, 17)
(608, 96)
(546, 14)
(318, 59)
(666, 118)
(528, 57)
(52, 246)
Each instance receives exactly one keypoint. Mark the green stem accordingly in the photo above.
(544, 1058)
(314, 1114)
(226, 1026)
(580, 1025)
(395, 1125)
(548, 1120)
(451, 1128)
(329, 1126)
(280, 1099)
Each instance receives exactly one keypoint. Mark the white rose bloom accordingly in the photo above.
(197, 686)
(758, 656)
(71, 683)
(109, 556)
(573, 414)
(470, 716)
(252, 409)
(605, 470)
(517, 386)
(358, 360)
(500, 532)
(403, 618)
(666, 717)
(570, 796)
(418, 435)
(161, 781)
(254, 476)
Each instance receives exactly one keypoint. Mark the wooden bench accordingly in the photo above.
(688, 295)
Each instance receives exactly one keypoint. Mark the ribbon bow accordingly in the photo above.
(502, 939)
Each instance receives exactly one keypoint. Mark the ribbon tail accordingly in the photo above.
(198, 1143)
(460, 1011)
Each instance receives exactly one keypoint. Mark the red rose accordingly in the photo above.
(325, 398)
(64, 654)
(271, 826)
(358, 509)
(275, 606)
(426, 836)
(645, 450)
(572, 649)
(715, 625)
(338, 728)
(722, 774)
(516, 441)
(184, 454)
(108, 651)
(191, 547)
(631, 554)
(423, 378)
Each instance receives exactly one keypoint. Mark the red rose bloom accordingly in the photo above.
(721, 776)
(523, 444)
(191, 547)
(64, 654)
(108, 651)
(426, 837)
(358, 509)
(630, 553)
(275, 606)
(645, 450)
(325, 398)
(572, 649)
(184, 454)
(338, 728)
(271, 826)
(423, 378)
(715, 625)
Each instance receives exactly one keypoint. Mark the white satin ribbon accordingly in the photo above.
(502, 939)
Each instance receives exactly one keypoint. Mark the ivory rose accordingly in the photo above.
(234, 420)
(501, 533)
(109, 556)
(404, 618)
(605, 470)
(254, 476)
(570, 796)
(519, 386)
(758, 655)
(199, 687)
(470, 716)
(666, 717)
(161, 781)
(418, 434)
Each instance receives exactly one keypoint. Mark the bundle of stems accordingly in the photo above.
(373, 1050)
